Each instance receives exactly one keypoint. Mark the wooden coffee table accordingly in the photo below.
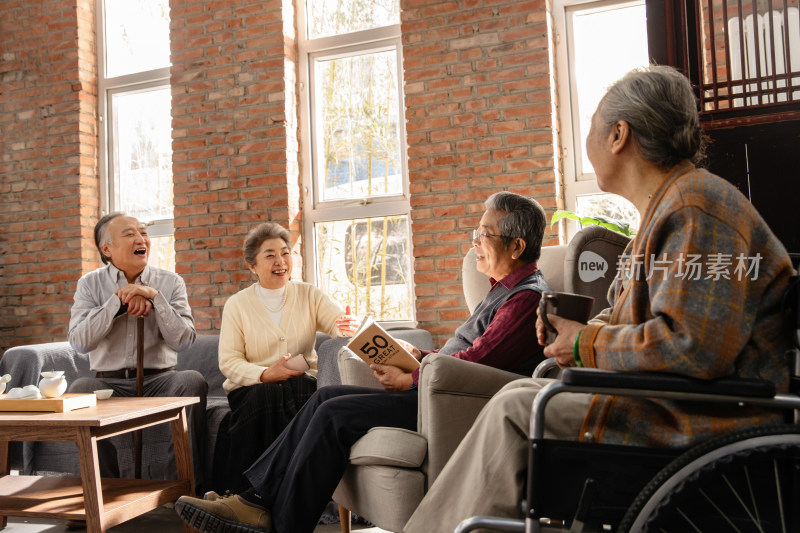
(105, 502)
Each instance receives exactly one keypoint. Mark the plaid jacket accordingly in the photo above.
(697, 293)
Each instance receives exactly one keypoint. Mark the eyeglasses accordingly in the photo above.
(480, 236)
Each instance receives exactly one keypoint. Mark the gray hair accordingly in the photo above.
(524, 219)
(660, 107)
(101, 235)
(259, 234)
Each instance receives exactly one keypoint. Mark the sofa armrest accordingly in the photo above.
(354, 371)
(452, 393)
(25, 363)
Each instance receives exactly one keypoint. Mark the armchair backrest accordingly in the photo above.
(476, 284)
(586, 265)
(590, 264)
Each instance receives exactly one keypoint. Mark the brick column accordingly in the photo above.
(478, 93)
(48, 162)
(234, 122)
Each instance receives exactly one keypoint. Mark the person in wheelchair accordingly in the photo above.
(697, 294)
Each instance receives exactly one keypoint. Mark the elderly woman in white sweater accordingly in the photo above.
(263, 327)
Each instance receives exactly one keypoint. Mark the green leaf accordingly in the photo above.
(606, 222)
(558, 215)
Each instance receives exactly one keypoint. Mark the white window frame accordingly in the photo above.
(576, 182)
(316, 210)
(106, 89)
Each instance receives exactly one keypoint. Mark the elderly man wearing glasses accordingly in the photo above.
(295, 478)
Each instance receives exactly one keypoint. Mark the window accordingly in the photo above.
(135, 101)
(750, 53)
(356, 210)
(597, 43)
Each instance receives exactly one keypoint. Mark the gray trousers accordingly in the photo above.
(115, 454)
(487, 472)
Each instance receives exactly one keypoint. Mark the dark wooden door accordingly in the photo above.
(756, 140)
(763, 161)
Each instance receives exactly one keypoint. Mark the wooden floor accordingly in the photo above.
(161, 520)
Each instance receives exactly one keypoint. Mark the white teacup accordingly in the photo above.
(103, 394)
(24, 393)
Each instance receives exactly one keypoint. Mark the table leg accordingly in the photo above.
(5, 470)
(183, 454)
(92, 488)
(344, 519)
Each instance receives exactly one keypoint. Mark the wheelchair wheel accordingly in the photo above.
(747, 481)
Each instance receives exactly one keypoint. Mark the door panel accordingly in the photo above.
(771, 153)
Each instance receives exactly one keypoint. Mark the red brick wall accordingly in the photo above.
(234, 140)
(477, 85)
(48, 163)
(478, 119)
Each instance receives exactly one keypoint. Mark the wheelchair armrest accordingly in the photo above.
(657, 381)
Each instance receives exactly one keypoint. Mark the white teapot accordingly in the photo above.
(3, 380)
(53, 384)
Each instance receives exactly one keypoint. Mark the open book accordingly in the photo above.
(374, 345)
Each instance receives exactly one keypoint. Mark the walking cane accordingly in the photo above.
(137, 435)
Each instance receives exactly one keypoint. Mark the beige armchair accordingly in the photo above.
(574, 268)
(390, 469)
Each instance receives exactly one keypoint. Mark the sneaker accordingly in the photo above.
(223, 514)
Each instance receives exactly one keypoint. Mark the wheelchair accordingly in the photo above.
(747, 481)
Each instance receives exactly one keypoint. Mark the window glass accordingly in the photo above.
(135, 106)
(356, 218)
(142, 138)
(136, 36)
(750, 53)
(358, 132)
(335, 17)
(608, 206)
(597, 43)
(162, 252)
(364, 263)
(608, 42)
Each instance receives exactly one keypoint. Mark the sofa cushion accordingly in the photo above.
(389, 447)
(403, 487)
(203, 356)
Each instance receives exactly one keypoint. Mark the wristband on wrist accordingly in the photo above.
(575, 353)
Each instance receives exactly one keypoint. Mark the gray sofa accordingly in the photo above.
(25, 363)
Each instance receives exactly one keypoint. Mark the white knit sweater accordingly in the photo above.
(250, 341)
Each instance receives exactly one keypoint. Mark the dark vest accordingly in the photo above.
(475, 325)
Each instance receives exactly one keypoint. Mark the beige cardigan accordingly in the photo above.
(249, 341)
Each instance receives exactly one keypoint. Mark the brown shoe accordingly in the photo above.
(224, 514)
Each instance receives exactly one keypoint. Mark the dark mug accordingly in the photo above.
(566, 305)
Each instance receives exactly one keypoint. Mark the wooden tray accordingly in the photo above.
(64, 403)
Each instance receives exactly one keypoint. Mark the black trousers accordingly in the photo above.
(259, 413)
(297, 475)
